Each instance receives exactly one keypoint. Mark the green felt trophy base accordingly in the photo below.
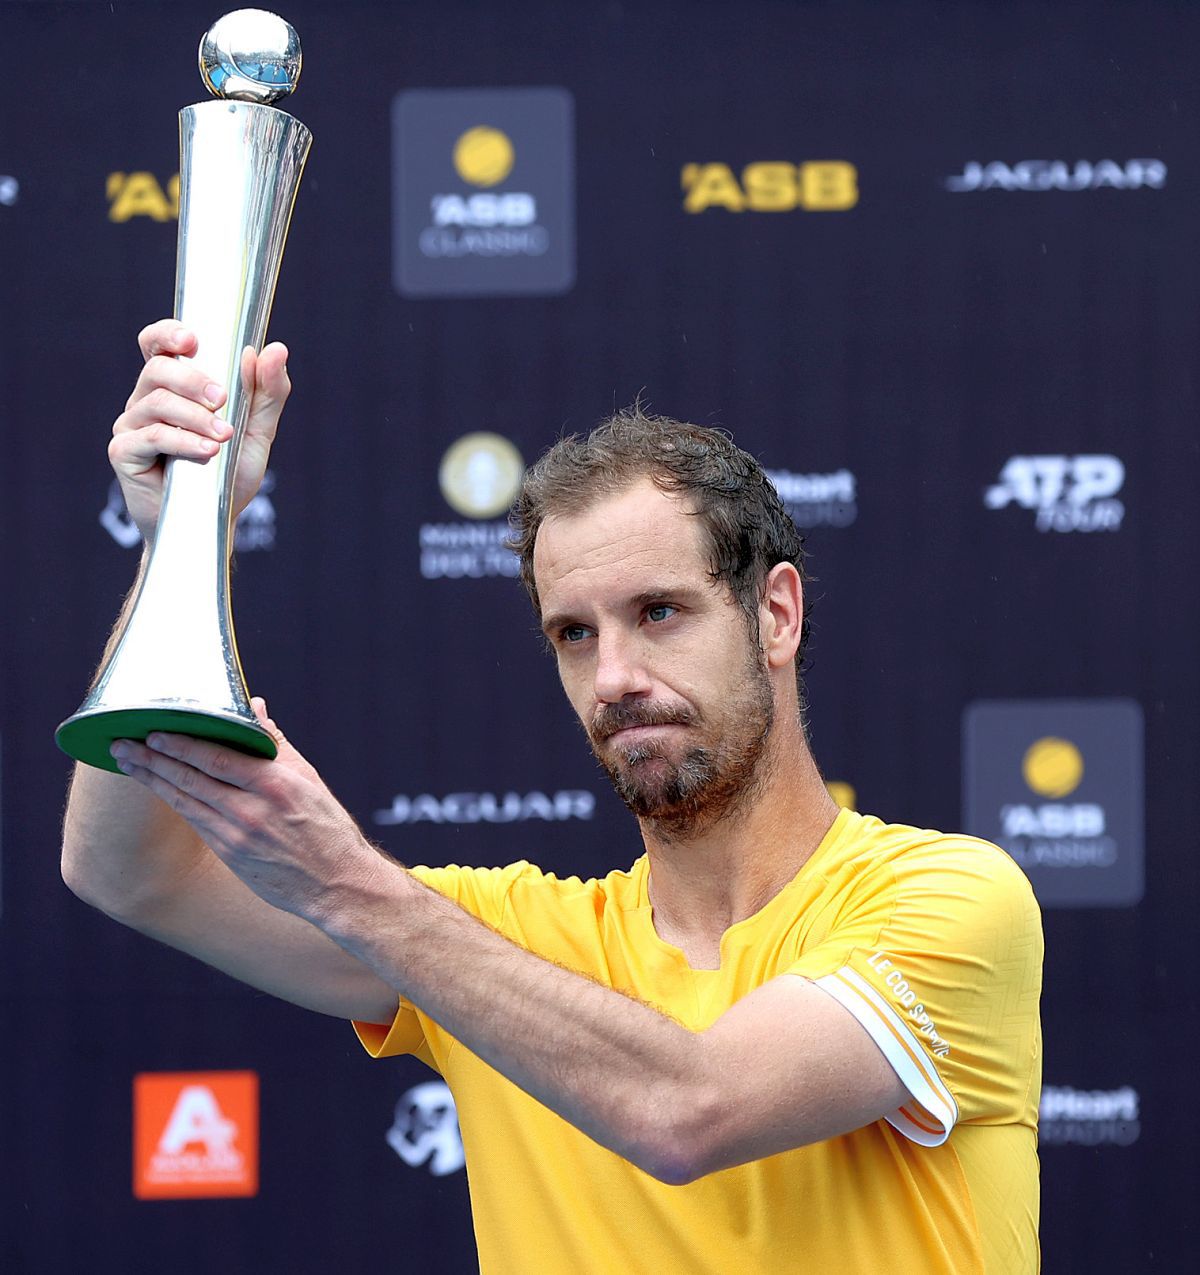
(88, 736)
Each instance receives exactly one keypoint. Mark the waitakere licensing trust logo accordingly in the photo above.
(1058, 784)
(484, 192)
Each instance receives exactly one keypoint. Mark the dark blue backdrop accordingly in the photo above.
(968, 273)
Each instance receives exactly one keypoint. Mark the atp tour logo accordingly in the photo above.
(1057, 174)
(1065, 493)
(817, 500)
(1058, 784)
(255, 528)
(479, 477)
(484, 192)
(1089, 1117)
(425, 1130)
(195, 1134)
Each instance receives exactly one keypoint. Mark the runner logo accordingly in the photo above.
(817, 500)
(484, 192)
(479, 477)
(255, 527)
(1058, 784)
(1089, 1117)
(195, 1134)
(1057, 174)
(425, 1129)
(1066, 493)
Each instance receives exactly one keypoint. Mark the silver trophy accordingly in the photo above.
(175, 666)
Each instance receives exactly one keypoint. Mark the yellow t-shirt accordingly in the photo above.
(932, 942)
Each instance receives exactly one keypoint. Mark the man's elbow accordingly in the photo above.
(678, 1145)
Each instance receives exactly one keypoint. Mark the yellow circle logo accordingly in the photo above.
(483, 156)
(1053, 767)
(480, 475)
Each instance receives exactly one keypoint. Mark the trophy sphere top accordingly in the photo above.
(250, 55)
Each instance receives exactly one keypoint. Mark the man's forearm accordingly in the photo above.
(624, 1073)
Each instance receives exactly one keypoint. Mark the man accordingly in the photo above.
(788, 1038)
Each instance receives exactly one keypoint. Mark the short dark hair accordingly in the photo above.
(749, 531)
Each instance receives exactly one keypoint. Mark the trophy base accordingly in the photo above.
(88, 736)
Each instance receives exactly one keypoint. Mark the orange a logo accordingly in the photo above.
(195, 1134)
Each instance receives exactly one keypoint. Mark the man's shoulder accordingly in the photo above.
(910, 855)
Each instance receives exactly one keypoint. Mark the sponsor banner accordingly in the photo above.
(195, 1134)
(1064, 493)
(1058, 784)
(479, 477)
(489, 807)
(817, 500)
(1089, 1117)
(425, 1130)
(255, 527)
(1059, 174)
(142, 194)
(770, 186)
(483, 197)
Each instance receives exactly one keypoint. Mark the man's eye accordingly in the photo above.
(574, 633)
(661, 612)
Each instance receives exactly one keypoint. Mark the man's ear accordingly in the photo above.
(781, 615)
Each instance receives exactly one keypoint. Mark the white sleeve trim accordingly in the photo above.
(935, 1112)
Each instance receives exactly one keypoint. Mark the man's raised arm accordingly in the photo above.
(126, 852)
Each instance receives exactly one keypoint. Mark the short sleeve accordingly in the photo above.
(483, 893)
(939, 958)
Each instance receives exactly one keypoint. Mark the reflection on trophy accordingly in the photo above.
(175, 666)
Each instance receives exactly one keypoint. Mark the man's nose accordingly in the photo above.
(620, 671)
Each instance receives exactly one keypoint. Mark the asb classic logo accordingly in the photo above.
(484, 192)
(1065, 493)
(1058, 784)
(195, 1134)
(1058, 174)
(827, 185)
(479, 477)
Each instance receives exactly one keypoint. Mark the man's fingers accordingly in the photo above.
(138, 450)
(198, 767)
(166, 336)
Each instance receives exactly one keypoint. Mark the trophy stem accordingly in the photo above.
(175, 666)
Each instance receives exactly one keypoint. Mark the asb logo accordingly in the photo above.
(142, 195)
(1089, 1117)
(826, 185)
(817, 500)
(1065, 493)
(489, 807)
(255, 527)
(1058, 174)
(1058, 784)
(479, 476)
(425, 1129)
(195, 1134)
(484, 192)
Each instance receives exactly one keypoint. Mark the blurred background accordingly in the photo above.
(933, 263)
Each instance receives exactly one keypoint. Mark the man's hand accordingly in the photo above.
(273, 823)
(174, 410)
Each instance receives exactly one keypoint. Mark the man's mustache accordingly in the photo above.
(610, 718)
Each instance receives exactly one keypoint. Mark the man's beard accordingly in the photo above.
(710, 782)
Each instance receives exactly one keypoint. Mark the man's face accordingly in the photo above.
(656, 657)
